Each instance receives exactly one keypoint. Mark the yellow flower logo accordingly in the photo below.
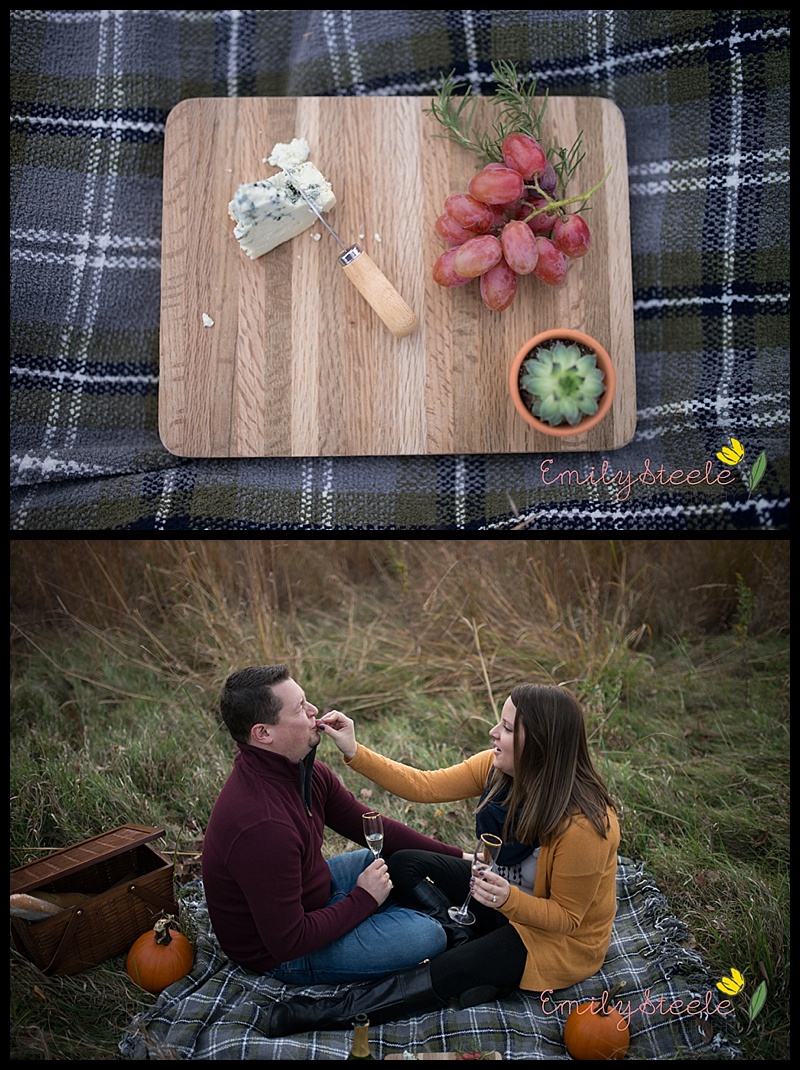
(734, 453)
(731, 454)
(732, 985)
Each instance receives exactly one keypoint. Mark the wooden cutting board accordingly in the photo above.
(297, 364)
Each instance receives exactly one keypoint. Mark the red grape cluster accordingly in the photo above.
(505, 226)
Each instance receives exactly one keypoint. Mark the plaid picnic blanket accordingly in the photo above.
(705, 96)
(220, 1011)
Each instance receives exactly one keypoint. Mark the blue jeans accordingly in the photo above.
(392, 939)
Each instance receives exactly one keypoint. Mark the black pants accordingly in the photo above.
(494, 956)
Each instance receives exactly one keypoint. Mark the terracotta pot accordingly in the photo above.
(603, 362)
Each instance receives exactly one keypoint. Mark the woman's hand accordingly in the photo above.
(488, 887)
(341, 730)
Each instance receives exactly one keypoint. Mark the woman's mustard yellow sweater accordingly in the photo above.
(566, 924)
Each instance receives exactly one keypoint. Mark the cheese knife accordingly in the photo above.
(367, 277)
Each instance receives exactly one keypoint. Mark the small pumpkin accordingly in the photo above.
(596, 1030)
(159, 957)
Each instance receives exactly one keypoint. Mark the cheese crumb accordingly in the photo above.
(377, 237)
(291, 155)
(207, 320)
(316, 237)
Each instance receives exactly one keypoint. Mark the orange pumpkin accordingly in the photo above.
(596, 1030)
(159, 957)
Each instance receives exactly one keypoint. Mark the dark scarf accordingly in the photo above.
(492, 818)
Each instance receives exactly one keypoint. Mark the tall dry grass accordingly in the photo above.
(650, 587)
(358, 621)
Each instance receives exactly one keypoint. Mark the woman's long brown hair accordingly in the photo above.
(554, 778)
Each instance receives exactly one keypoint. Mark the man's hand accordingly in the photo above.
(375, 880)
(341, 730)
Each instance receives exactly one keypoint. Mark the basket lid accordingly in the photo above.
(81, 856)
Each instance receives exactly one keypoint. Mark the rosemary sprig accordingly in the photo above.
(517, 112)
(457, 118)
(517, 102)
(566, 161)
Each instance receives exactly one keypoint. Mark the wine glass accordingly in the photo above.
(486, 850)
(373, 831)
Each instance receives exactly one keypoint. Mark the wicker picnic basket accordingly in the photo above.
(131, 885)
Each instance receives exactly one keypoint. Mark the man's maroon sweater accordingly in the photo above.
(266, 882)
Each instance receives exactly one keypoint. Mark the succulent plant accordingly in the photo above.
(564, 383)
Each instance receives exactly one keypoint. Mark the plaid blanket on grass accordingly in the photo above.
(221, 1011)
(705, 96)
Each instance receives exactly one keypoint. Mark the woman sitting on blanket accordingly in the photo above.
(544, 917)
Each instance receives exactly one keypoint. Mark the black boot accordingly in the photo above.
(431, 900)
(384, 1000)
(473, 997)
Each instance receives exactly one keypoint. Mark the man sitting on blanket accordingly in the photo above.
(274, 902)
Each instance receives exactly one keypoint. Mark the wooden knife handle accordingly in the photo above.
(376, 289)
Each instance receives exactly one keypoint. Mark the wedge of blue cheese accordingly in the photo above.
(271, 211)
